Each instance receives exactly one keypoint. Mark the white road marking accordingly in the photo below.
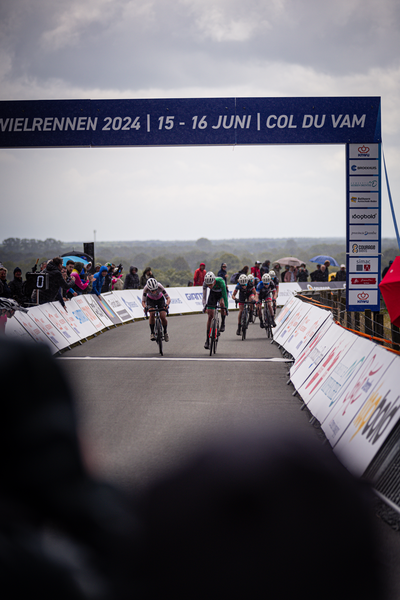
(181, 359)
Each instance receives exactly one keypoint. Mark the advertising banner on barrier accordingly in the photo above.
(34, 331)
(16, 330)
(374, 421)
(117, 306)
(130, 299)
(313, 353)
(48, 328)
(286, 292)
(284, 314)
(291, 324)
(92, 310)
(374, 366)
(77, 319)
(340, 340)
(302, 335)
(105, 309)
(55, 317)
(193, 298)
(334, 376)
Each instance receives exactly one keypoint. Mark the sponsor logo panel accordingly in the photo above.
(363, 184)
(363, 297)
(365, 281)
(361, 200)
(363, 150)
(363, 248)
(364, 265)
(364, 167)
(359, 216)
(365, 233)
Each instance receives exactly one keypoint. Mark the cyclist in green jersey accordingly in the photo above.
(218, 294)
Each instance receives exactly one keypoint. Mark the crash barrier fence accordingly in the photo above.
(373, 324)
(350, 385)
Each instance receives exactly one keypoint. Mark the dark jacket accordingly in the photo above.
(131, 280)
(56, 281)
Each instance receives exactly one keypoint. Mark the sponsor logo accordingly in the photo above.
(363, 216)
(354, 248)
(367, 183)
(366, 248)
(364, 168)
(363, 296)
(363, 150)
(363, 280)
(363, 267)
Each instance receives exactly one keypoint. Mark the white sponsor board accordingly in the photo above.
(115, 303)
(286, 292)
(92, 310)
(56, 318)
(373, 422)
(308, 327)
(48, 328)
(364, 264)
(14, 329)
(363, 216)
(291, 324)
(34, 331)
(363, 249)
(364, 167)
(77, 319)
(373, 362)
(284, 314)
(363, 150)
(313, 353)
(363, 297)
(363, 281)
(132, 302)
(364, 200)
(365, 233)
(363, 184)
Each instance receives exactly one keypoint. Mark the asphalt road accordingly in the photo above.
(140, 413)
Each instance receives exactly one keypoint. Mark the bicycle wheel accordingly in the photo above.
(212, 338)
(244, 322)
(159, 335)
(217, 334)
(267, 322)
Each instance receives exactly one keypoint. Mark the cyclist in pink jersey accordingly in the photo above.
(155, 296)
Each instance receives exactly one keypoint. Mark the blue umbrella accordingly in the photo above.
(320, 259)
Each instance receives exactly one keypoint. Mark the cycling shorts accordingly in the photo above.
(214, 298)
(160, 303)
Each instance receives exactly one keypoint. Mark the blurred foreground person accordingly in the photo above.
(260, 514)
(63, 534)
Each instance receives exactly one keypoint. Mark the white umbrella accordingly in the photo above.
(289, 260)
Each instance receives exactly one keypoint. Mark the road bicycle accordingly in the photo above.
(266, 318)
(158, 328)
(214, 331)
(246, 316)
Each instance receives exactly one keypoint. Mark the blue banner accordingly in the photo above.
(187, 122)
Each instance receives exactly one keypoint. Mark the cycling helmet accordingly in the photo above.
(243, 279)
(152, 284)
(272, 273)
(209, 278)
(9, 306)
(266, 278)
(250, 277)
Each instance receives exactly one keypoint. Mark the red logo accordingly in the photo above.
(363, 280)
(363, 149)
(363, 296)
(367, 267)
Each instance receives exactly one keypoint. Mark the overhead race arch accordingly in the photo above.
(352, 121)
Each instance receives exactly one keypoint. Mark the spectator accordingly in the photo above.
(56, 281)
(302, 274)
(277, 269)
(132, 279)
(222, 273)
(78, 285)
(199, 274)
(5, 290)
(341, 275)
(98, 280)
(326, 270)
(291, 275)
(16, 286)
(283, 274)
(386, 269)
(106, 287)
(265, 267)
(147, 274)
(256, 269)
(316, 275)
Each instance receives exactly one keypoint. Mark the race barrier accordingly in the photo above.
(349, 384)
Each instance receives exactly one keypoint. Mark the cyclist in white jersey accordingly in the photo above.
(155, 296)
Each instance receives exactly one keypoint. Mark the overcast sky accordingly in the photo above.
(110, 49)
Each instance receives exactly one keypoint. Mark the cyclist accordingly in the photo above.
(247, 293)
(275, 293)
(218, 294)
(155, 296)
(265, 290)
